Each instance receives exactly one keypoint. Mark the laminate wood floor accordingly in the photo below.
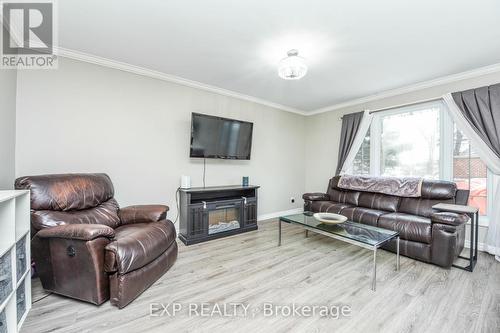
(251, 269)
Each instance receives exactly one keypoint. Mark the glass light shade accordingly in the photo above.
(292, 67)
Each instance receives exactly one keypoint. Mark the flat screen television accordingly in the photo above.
(217, 137)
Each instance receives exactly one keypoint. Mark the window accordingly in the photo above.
(410, 144)
(422, 141)
(469, 172)
(361, 164)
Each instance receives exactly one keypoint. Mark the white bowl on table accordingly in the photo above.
(330, 218)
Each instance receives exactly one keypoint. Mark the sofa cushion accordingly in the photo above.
(379, 201)
(363, 215)
(433, 192)
(410, 227)
(417, 250)
(420, 206)
(339, 195)
(346, 197)
(438, 189)
(328, 206)
(136, 245)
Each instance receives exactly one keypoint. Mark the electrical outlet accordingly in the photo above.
(292, 200)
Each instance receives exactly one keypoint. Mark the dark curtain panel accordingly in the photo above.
(481, 107)
(350, 127)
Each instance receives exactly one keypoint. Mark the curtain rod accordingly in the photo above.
(407, 104)
(403, 105)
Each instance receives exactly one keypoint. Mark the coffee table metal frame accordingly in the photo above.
(348, 240)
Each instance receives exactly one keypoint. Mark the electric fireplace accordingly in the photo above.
(212, 212)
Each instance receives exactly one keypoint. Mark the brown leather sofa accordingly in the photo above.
(86, 247)
(426, 235)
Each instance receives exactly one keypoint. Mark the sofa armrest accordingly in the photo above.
(84, 232)
(142, 213)
(449, 218)
(316, 197)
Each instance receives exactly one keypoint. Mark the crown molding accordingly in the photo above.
(105, 62)
(89, 58)
(411, 88)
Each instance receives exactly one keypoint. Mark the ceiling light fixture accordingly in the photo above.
(292, 67)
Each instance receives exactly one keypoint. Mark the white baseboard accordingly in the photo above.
(278, 214)
(482, 247)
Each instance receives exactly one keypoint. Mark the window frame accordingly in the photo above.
(376, 131)
(445, 146)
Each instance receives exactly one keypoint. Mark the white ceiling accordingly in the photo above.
(354, 48)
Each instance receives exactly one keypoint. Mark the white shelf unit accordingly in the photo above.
(15, 260)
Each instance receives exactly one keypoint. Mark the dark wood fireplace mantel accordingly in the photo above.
(218, 211)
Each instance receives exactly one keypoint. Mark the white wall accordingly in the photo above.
(8, 78)
(87, 118)
(323, 130)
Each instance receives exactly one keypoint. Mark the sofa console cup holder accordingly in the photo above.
(70, 251)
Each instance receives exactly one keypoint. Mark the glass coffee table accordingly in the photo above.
(362, 235)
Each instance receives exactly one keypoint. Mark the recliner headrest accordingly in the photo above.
(65, 192)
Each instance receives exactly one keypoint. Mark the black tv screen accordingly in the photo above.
(217, 137)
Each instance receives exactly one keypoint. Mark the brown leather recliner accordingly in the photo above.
(426, 235)
(86, 247)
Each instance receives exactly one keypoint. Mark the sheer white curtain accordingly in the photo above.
(358, 141)
(493, 163)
